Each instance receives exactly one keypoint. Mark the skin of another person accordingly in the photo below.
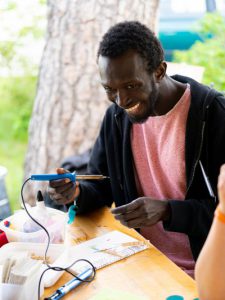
(210, 266)
(128, 83)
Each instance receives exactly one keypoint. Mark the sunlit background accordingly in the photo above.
(188, 33)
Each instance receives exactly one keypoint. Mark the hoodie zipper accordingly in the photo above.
(197, 159)
(207, 182)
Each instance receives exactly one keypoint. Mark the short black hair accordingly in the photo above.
(132, 35)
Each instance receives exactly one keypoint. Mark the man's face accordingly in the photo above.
(128, 84)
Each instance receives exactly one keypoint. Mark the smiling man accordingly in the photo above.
(161, 142)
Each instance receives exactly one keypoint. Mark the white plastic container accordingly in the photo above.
(21, 292)
(30, 289)
(56, 228)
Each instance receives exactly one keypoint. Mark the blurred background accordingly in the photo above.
(50, 101)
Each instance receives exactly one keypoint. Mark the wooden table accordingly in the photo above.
(146, 275)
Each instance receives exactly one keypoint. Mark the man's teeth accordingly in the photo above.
(133, 108)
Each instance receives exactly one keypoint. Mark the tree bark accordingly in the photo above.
(70, 103)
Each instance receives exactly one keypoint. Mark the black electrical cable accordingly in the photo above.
(47, 247)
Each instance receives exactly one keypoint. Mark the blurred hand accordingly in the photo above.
(142, 212)
(63, 191)
(221, 188)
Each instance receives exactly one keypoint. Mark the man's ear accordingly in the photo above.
(160, 71)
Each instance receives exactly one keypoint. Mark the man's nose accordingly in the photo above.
(121, 98)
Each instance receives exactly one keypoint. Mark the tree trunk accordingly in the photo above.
(70, 103)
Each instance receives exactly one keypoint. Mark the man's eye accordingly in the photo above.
(108, 89)
(131, 86)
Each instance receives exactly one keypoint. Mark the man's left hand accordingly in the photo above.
(142, 212)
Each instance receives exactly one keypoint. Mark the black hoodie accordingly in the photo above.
(204, 154)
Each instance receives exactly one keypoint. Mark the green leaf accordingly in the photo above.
(209, 53)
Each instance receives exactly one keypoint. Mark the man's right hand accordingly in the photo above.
(63, 191)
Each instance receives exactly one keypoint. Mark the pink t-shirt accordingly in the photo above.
(158, 147)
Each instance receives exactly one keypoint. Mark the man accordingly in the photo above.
(161, 142)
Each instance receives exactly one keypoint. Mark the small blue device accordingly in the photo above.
(48, 177)
(73, 177)
(66, 288)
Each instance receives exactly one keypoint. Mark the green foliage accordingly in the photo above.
(21, 33)
(209, 53)
(212, 23)
(16, 100)
(7, 52)
(10, 5)
(16, 94)
(12, 156)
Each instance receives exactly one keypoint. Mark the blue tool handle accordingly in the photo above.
(48, 177)
(70, 285)
(75, 282)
